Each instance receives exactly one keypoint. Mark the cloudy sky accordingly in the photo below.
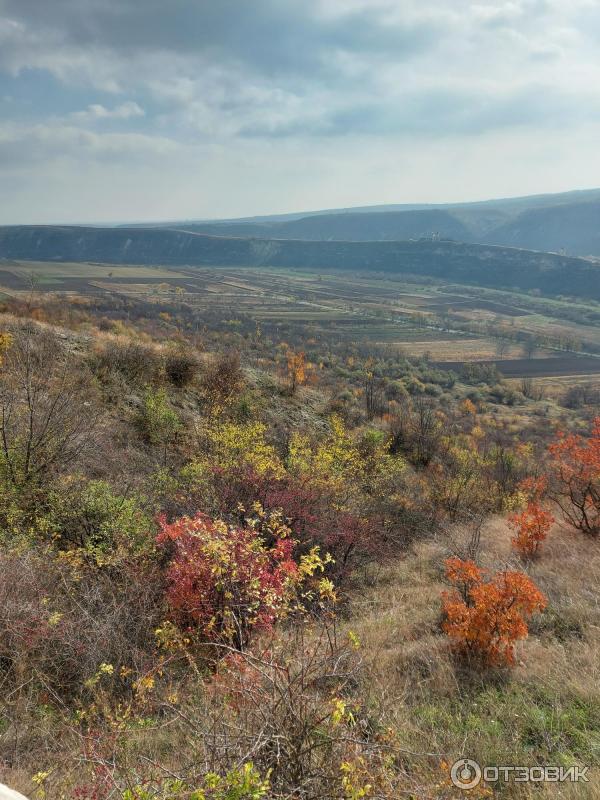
(122, 110)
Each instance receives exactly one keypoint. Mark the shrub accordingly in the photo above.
(93, 517)
(60, 618)
(581, 395)
(47, 408)
(137, 363)
(181, 366)
(233, 444)
(223, 379)
(294, 698)
(486, 616)
(5, 342)
(244, 783)
(290, 707)
(311, 511)
(531, 527)
(316, 520)
(433, 390)
(225, 581)
(296, 369)
(158, 422)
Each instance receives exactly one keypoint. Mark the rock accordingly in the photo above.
(10, 794)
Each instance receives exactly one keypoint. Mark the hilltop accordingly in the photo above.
(485, 265)
(569, 222)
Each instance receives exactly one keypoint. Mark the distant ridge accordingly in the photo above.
(516, 204)
(568, 222)
(484, 265)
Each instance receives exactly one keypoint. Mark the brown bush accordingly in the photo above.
(224, 379)
(59, 622)
(181, 366)
(137, 363)
(47, 407)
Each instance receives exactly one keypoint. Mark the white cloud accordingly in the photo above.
(96, 111)
(24, 148)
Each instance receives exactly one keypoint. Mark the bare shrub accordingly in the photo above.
(223, 378)
(287, 706)
(59, 620)
(181, 366)
(137, 363)
(47, 413)
(288, 709)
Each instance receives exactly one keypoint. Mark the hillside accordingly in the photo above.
(507, 206)
(350, 226)
(467, 263)
(238, 559)
(569, 221)
(574, 227)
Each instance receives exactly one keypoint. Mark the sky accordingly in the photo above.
(138, 110)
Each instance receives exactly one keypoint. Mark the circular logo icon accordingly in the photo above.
(465, 773)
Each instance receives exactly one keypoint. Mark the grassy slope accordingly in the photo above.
(547, 712)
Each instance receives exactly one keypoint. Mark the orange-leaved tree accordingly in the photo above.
(486, 615)
(574, 473)
(531, 528)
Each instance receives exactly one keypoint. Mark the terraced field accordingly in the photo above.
(421, 319)
(537, 367)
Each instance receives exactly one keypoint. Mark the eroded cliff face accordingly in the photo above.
(114, 245)
(484, 265)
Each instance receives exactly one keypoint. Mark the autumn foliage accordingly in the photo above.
(5, 342)
(531, 528)
(485, 615)
(296, 369)
(225, 581)
(575, 478)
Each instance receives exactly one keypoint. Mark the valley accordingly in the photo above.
(450, 325)
(299, 400)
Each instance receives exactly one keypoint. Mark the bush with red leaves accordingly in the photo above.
(310, 512)
(574, 478)
(225, 581)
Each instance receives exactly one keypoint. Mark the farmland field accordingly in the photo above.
(449, 325)
(537, 367)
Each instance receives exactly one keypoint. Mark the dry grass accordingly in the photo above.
(547, 711)
(463, 350)
(556, 386)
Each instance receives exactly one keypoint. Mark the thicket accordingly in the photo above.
(184, 532)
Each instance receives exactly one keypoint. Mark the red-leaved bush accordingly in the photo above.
(311, 513)
(225, 581)
(485, 616)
